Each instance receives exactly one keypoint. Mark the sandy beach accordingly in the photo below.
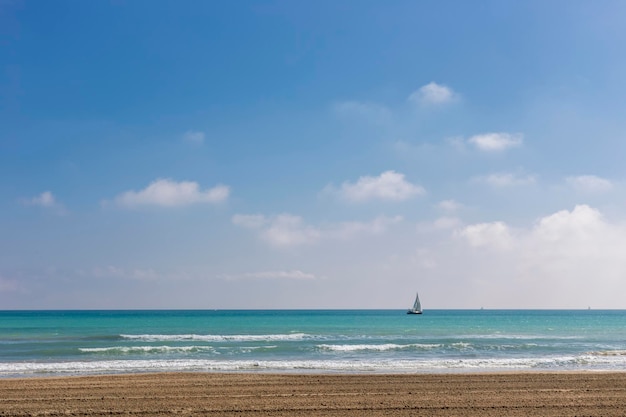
(187, 394)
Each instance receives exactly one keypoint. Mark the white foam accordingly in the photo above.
(381, 347)
(582, 362)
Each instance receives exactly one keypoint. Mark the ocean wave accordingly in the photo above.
(129, 350)
(216, 338)
(381, 347)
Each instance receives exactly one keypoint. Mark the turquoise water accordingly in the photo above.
(35, 343)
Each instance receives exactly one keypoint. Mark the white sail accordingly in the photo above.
(417, 306)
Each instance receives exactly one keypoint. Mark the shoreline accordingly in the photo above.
(514, 393)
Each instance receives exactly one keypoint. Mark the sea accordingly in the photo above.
(59, 343)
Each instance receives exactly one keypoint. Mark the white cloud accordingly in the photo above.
(287, 230)
(168, 193)
(389, 185)
(294, 274)
(111, 271)
(565, 226)
(507, 179)
(496, 142)
(433, 94)
(589, 183)
(193, 136)
(45, 199)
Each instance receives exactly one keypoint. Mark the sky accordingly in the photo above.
(312, 155)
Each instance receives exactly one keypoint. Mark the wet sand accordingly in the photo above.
(207, 394)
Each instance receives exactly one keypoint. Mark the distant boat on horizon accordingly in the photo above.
(417, 306)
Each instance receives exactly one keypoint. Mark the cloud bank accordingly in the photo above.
(569, 253)
(589, 183)
(287, 230)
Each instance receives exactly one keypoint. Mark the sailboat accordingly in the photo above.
(417, 306)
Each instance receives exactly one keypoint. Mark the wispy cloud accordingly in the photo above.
(287, 230)
(111, 271)
(589, 183)
(46, 200)
(373, 112)
(388, 186)
(507, 179)
(169, 193)
(290, 275)
(193, 136)
(496, 142)
(449, 206)
(433, 94)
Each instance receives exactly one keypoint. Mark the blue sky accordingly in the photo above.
(328, 154)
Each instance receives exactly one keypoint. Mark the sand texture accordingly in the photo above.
(514, 394)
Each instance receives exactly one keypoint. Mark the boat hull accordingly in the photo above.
(413, 312)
